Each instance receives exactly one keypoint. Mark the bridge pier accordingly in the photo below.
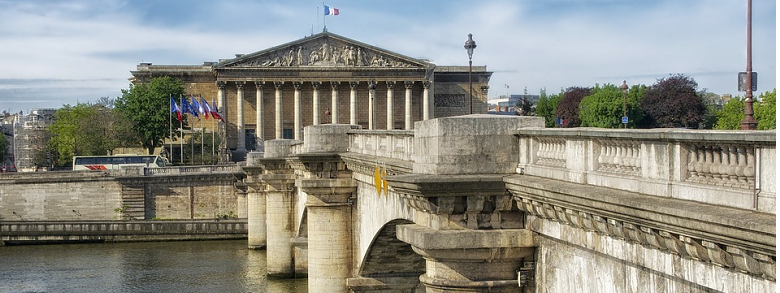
(280, 223)
(330, 232)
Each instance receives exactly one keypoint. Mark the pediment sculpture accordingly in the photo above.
(323, 53)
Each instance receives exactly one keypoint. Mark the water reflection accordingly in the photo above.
(192, 266)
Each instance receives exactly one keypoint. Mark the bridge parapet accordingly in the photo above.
(391, 144)
(729, 168)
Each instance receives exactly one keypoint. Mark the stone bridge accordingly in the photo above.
(484, 203)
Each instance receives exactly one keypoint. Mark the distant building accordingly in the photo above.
(30, 137)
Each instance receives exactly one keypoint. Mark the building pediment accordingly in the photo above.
(322, 50)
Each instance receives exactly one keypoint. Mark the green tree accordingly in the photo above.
(3, 147)
(765, 110)
(604, 107)
(147, 106)
(673, 102)
(731, 115)
(78, 130)
(545, 109)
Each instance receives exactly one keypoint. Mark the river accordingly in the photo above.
(185, 266)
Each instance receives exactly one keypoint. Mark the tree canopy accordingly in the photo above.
(147, 106)
(765, 110)
(569, 107)
(673, 102)
(79, 131)
(3, 147)
(604, 107)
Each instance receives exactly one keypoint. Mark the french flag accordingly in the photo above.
(331, 10)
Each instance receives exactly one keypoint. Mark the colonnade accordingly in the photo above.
(318, 86)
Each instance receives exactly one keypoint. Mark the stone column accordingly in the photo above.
(221, 99)
(259, 117)
(353, 85)
(240, 127)
(278, 109)
(334, 102)
(371, 95)
(279, 200)
(298, 123)
(315, 102)
(390, 118)
(256, 211)
(330, 234)
(408, 105)
(426, 101)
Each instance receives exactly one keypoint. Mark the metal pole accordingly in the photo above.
(749, 122)
(470, 108)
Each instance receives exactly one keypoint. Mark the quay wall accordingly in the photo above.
(31, 232)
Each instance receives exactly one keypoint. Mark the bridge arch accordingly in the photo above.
(389, 262)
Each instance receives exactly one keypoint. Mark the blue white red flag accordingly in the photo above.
(186, 107)
(215, 112)
(175, 108)
(196, 108)
(331, 11)
(205, 109)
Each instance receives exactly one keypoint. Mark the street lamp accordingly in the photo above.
(624, 89)
(749, 122)
(470, 45)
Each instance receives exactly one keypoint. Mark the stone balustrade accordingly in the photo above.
(729, 168)
(393, 144)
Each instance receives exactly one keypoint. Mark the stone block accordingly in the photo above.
(471, 144)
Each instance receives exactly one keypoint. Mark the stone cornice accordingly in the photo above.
(366, 164)
(727, 237)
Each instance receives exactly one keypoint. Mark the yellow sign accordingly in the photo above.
(380, 181)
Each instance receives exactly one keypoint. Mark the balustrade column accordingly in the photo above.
(315, 102)
(408, 105)
(240, 127)
(426, 101)
(390, 118)
(278, 109)
(353, 103)
(298, 123)
(334, 102)
(371, 95)
(259, 117)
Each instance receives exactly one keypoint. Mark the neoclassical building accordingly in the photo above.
(324, 78)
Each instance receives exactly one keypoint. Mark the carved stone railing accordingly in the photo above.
(167, 171)
(392, 144)
(730, 168)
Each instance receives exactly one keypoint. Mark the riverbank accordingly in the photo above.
(51, 232)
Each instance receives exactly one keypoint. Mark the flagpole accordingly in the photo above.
(170, 125)
(181, 134)
(324, 26)
(212, 131)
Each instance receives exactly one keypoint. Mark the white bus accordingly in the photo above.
(116, 162)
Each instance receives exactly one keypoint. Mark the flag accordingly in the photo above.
(187, 108)
(215, 112)
(196, 108)
(175, 108)
(204, 107)
(331, 10)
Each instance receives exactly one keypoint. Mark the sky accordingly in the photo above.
(76, 51)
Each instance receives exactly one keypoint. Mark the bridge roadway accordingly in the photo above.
(484, 203)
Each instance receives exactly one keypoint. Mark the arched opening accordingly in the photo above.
(389, 263)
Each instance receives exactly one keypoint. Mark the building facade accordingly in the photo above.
(323, 78)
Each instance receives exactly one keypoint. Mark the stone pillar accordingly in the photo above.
(256, 215)
(259, 117)
(353, 103)
(240, 127)
(371, 95)
(390, 118)
(315, 102)
(298, 123)
(279, 199)
(426, 99)
(330, 234)
(278, 109)
(334, 102)
(221, 100)
(408, 105)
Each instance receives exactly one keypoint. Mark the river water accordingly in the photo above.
(186, 266)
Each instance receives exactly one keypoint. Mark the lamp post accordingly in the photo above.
(624, 89)
(749, 122)
(470, 45)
